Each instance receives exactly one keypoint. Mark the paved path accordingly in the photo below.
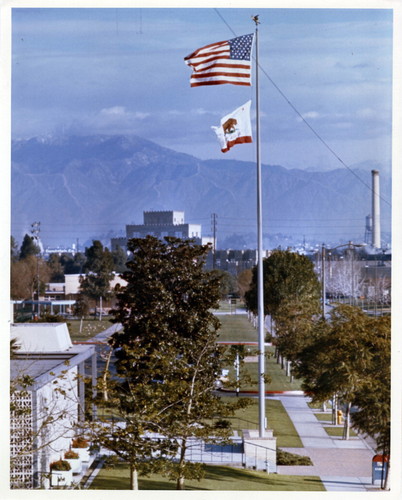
(341, 465)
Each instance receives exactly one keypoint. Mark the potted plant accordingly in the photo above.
(61, 473)
(81, 446)
(73, 458)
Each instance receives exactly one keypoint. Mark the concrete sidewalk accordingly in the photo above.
(341, 465)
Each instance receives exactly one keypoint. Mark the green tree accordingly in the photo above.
(295, 321)
(73, 264)
(292, 298)
(98, 267)
(342, 359)
(228, 283)
(287, 276)
(28, 247)
(167, 356)
(119, 260)
(244, 281)
(55, 268)
(373, 398)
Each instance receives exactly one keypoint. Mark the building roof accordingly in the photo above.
(41, 337)
(44, 367)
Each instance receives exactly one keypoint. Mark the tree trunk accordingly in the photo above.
(133, 478)
(180, 476)
(180, 483)
(346, 428)
(81, 323)
(334, 409)
(105, 373)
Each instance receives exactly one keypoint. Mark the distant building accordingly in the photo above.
(161, 224)
(70, 288)
(236, 261)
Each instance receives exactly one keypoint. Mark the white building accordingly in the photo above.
(47, 410)
(160, 224)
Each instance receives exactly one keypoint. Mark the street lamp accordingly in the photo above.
(323, 259)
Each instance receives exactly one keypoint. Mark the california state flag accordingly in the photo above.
(235, 128)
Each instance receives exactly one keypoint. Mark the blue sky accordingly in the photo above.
(112, 71)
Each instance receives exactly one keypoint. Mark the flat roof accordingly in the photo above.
(46, 366)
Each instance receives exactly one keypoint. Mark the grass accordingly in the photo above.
(279, 380)
(226, 306)
(90, 328)
(236, 328)
(282, 425)
(338, 431)
(278, 420)
(217, 478)
(323, 417)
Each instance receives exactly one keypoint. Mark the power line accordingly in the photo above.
(317, 135)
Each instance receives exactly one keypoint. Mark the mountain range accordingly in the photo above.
(90, 187)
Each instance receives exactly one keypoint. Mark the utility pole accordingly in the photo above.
(323, 284)
(214, 218)
(35, 232)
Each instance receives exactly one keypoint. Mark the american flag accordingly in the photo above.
(222, 62)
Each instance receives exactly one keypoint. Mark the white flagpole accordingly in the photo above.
(261, 336)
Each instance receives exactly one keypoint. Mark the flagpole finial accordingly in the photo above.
(255, 19)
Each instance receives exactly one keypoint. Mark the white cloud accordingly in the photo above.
(115, 110)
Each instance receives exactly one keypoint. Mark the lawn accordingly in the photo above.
(226, 306)
(338, 431)
(236, 328)
(217, 478)
(90, 328)
(277, 418)
(323, 417)
(279, 380)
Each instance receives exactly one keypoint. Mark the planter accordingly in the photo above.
(81, 446)
(76, 464)
(83, 453)
(61, 478)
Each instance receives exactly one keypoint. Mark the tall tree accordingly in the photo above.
(342, 359)
(167, 356)
(28, 247)
(287, 276)
(73, 264)
(24, 277)
(244, 281)
(119, 260)
(292, 298)
(55, 268)
(98, 267)
(228, 283)
(295, 322)
(373, 398)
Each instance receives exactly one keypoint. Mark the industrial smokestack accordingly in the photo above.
(376, 233)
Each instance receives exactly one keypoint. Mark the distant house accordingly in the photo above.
(47, 411)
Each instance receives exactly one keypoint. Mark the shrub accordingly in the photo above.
(61, 465)
(286, 458)
(80, 442)
(70, 454)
